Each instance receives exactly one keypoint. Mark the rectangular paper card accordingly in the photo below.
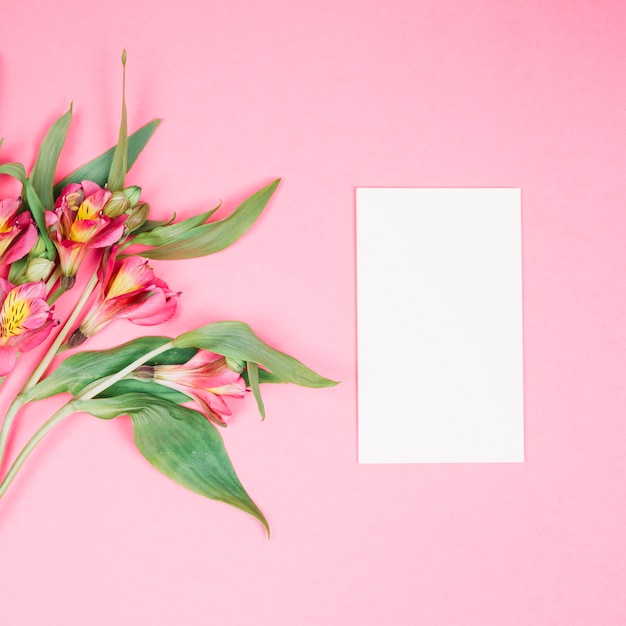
(439, 300)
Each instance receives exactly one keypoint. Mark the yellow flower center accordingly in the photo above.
(125, 282)
(14, 312)
(87, 211)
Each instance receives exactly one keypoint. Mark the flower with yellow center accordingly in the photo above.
(25, 320)
(79, 224)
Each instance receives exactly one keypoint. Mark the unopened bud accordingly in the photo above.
(117, 205)
(235, 364)
(132, 193)
(39, 249)
(39, 269)
(137, 216)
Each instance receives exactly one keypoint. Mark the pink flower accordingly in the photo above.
(17, 232)
(205, 378)
(78, 224)
(130, 290)
(25, 320)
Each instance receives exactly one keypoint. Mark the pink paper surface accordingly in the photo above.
(332, 96)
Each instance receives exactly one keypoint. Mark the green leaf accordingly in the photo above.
(97, 170)
(130, 385)
(165, 234)
(17, 268)
(16, 170)
(149, 225)
(215, 236)
(253, 378)
(84, 368)
(119, 164)
(181, 444)
(237, 340)
(42, 175)
(264, 377)
(38, 211)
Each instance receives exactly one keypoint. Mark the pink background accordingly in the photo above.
(332, 96)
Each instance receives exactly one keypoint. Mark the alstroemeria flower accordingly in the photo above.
(78, 224)
(205, 378)
(25, 320)
(17, 232)
(130, 290)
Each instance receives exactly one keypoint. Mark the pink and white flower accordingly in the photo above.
(205, 378)
(25, 320)
(131, 291)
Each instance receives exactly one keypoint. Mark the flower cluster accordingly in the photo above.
(172, 388)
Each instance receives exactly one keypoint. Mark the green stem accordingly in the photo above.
(87, 393)
(51, 282)
(98, 386)
(16, 405)
(60, 338)
(61, 414)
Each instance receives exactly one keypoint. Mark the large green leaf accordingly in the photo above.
(180, 443)
(84, 368)
(131, 385)
(238, 341)
(119, 164)
(44, 169)
(97, 170)
(215, 236)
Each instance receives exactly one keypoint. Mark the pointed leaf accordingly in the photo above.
(215, 236)
(97, 170)
(38, 211)
(166, 234)
(149, 225)
(181, 444)
(16, 170)
(253, 378)
(237, 340)
(119, 165)
(42, 175)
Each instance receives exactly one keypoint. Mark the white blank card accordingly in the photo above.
(439, 301)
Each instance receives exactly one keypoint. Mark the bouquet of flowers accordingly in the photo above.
(173, 388)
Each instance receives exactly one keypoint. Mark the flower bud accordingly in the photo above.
(137, 216)
(235, 364)
(132, 193)
(117, 205)
(39, 249)
(39, 269)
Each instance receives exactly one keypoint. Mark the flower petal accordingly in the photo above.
(8, 357)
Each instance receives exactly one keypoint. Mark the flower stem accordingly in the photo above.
(60, 338)
(16, 405)
(89, 392)
(62, 413)
(98, 386)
